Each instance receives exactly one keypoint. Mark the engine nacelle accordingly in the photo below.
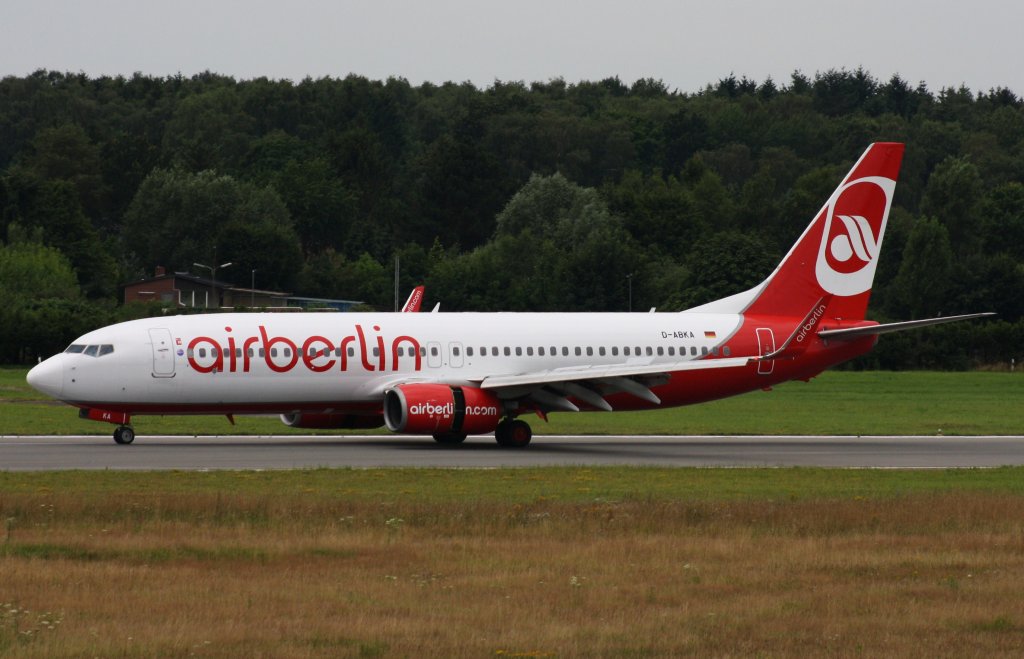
(331, 420)
(428, 409)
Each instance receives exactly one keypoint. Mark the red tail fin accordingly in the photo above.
(837, 254)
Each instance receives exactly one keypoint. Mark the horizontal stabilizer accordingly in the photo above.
(888, 328)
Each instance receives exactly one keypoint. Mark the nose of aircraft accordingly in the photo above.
(48, 377)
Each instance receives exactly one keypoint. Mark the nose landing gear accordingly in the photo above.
(124, 435)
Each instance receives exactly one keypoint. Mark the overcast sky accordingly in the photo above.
(977, 43)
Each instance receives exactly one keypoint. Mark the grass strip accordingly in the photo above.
(525, 562)
(837, 402)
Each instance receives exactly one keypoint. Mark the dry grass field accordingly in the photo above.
(540, 562)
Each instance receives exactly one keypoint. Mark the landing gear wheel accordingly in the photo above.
(449, 438)
(124, 435)
(513, 433)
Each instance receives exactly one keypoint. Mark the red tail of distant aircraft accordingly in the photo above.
(458, 374)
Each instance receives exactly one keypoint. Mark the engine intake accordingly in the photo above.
(429, 409)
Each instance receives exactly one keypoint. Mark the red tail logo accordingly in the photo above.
(854, 226)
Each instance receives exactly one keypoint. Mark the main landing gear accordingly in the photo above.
(513, 433)
(124, 435)
(449, 438)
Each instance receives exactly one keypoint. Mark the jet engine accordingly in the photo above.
(440, 409)
(335, 420)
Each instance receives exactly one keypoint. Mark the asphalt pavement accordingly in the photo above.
(39, 453)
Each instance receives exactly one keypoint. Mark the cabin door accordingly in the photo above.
(766, 345)
(163, 353)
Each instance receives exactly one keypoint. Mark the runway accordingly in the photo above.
(41, 453)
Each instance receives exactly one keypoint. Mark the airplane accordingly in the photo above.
(454, 375)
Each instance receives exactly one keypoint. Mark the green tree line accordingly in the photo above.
(586, 196)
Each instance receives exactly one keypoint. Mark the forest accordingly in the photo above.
(542, 196)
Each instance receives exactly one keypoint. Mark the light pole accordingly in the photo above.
(252, 290)
(213, 278)
(629, 281)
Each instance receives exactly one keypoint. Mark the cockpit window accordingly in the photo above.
(90, 351)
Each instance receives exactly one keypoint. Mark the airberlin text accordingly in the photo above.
(810, 322)
(446, 410)
(318, 354)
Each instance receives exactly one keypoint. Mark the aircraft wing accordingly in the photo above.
(552, 388)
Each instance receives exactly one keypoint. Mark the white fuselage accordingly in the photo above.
(278, 361)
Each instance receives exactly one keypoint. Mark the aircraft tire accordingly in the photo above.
(124, 435)
(449, 438)
(513, 433)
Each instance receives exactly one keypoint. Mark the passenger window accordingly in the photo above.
(704, 350)
(590, 351)
(262, 354)
(433, 351)
(661, 351)
(553, 351)
(249, 352)
(671, 351)
(202, 352)
(693, 350)
(529, 351)
(273, 352)
(106, 349)
(540, 351)
(508, 351)
(600, 351)
(615, 351)
(469, 351)
(714, 351)
(726, 351)
(287, 352)
(519, 351)
(565, 351)
(455, 351)
(649, 351)
(637, 351)
(494, 351)
(625, 351)
(423, 351)
(579, 351)
(191, 353)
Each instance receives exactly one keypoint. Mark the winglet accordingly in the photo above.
(415, 300)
